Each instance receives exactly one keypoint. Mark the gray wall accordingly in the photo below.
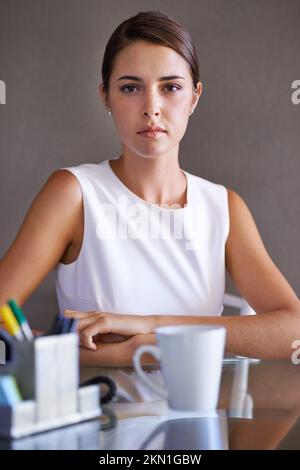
(244, 134)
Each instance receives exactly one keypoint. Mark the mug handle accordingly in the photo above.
(155, 351)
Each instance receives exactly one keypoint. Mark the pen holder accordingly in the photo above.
(21, 366)
(47, 373)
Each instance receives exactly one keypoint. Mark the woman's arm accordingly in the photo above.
(43, 237)
(267, 335)
(270, 333)
(117, 354)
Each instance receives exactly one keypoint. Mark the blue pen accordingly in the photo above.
(72, 325)
(62, 325)
(65, 325)
(56, 326)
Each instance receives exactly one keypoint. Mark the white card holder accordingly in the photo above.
(47, 373)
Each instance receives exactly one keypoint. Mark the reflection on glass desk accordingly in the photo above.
(258, 408)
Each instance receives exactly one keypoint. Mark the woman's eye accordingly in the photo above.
(173, 86)
(128, 89)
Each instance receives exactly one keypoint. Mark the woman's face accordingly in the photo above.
(148, 101)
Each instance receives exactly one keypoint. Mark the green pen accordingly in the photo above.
(21, 319)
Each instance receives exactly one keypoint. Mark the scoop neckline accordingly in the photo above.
(125, 188)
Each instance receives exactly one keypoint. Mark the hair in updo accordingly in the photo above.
(155, 27)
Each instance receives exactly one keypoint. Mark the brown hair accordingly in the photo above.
(155, 27)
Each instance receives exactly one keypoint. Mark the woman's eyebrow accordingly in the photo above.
(138, 79)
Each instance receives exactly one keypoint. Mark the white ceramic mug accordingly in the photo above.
(191, 362)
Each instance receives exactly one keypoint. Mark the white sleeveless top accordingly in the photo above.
(141, 258)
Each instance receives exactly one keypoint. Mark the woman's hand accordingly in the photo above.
(95, 327)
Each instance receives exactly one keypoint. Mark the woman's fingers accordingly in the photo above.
(86, 334)
(84, 319)
(88, 320)
(92, 326)
(74, 314)
(86, 340)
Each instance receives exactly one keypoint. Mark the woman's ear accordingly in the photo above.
(196, 95)
(103, 95)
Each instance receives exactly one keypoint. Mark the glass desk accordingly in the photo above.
(259, 406)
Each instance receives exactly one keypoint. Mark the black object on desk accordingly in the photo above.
(101, 379)
(8, 341)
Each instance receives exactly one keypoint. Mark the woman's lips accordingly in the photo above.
(151, 134)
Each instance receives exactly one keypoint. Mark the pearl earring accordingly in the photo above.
(109, 112)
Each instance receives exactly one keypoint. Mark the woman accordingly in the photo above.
(135, 241)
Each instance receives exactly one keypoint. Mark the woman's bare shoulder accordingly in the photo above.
(46, 232)
(63, 182)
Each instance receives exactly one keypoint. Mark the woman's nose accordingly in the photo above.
(151, 105)
(151, 113)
